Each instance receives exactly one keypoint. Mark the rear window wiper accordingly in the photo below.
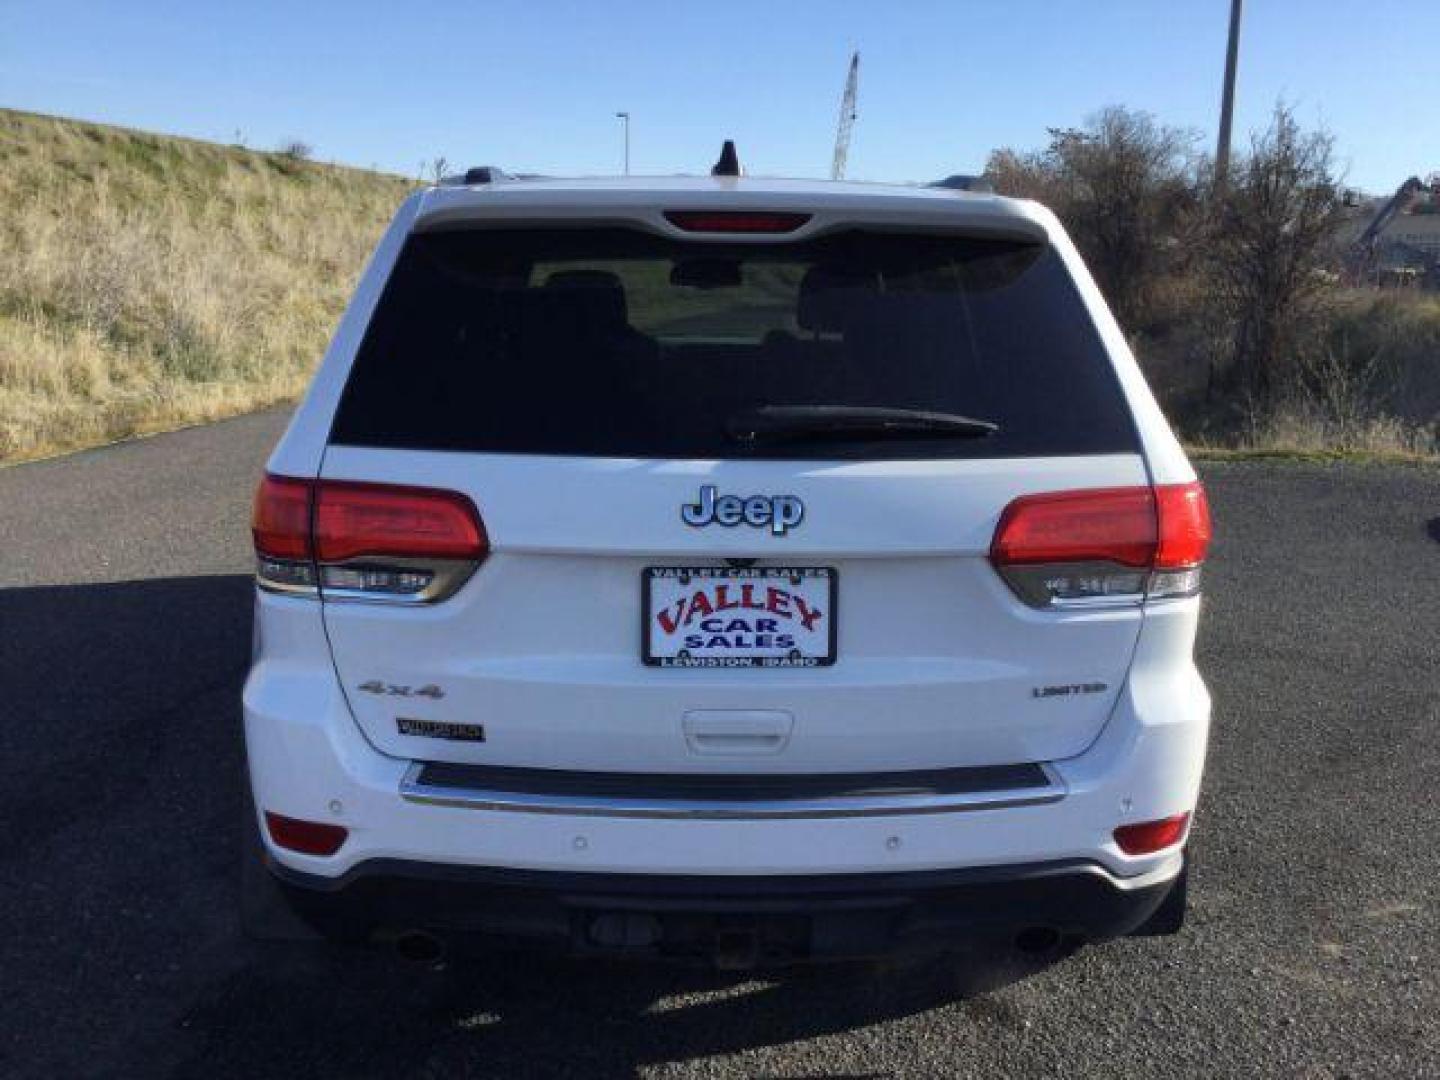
(777, 423)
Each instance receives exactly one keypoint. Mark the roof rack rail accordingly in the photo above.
(477, 174)
(965, 182)
(485, 174)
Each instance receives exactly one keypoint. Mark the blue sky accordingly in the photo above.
(534, 86)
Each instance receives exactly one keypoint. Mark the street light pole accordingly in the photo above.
(625, 117)
(1227, 99)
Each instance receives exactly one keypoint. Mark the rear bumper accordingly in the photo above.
(736, 921)
(309, 760)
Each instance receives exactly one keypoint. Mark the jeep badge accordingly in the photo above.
(779, 512)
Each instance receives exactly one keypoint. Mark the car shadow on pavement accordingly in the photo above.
(123, 798)
(516, 1014)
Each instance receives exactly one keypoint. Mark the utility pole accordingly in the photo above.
(624, 117)
(1227, 100)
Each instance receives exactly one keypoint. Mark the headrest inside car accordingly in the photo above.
(827, 293)
(598, 295)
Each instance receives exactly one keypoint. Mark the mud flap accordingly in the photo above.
(265, 912)
(1169, 917)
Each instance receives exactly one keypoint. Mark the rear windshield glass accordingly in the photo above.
(617, 343)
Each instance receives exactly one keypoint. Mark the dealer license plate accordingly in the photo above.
(723, 616)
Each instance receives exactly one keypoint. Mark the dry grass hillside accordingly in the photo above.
(150, 281)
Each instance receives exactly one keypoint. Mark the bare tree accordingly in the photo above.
(1025, 175)
(1126, 187)
(1269, 251)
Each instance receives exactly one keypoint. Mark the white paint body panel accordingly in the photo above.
(550, 660)
(542, 644)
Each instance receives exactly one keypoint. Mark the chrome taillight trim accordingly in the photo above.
(447, 577)
(1028, 582)
(273, 584)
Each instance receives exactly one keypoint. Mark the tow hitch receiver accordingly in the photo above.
(730, 941)
(733, 941)
(737, 947)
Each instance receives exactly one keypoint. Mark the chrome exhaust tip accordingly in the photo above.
(419, 947)
(1038, 940)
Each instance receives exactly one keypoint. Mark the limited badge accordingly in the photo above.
(1068, 689)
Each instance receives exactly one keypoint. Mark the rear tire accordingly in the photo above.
(1169, 917)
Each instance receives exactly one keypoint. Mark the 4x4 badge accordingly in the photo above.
(375, 686)
(779, 512)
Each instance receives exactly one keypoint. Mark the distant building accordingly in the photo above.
(1395, 244)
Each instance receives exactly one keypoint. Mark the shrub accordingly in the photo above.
(1127, 189)
(295, 150)
(1269, 256)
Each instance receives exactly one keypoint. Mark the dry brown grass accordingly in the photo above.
(1370, 386)
(148, 281)
(1301, 431)
(1367, 383)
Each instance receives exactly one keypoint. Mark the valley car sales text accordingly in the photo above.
(734, 614)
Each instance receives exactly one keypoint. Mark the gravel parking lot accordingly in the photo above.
(124, 635)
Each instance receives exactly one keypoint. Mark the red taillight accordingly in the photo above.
(306, 837)
(1148, 837)
(370, 541)
(1099, 525)
(354, 520)
(281, 519)
(1103, 545)
(1184, 525)
(735, 221)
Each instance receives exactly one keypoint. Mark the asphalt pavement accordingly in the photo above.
(124, 636)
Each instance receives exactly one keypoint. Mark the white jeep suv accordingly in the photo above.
(727, 568)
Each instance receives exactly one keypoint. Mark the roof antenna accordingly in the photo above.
(729, 163)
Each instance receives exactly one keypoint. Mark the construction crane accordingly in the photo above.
(847, 120)
(1360, 258)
